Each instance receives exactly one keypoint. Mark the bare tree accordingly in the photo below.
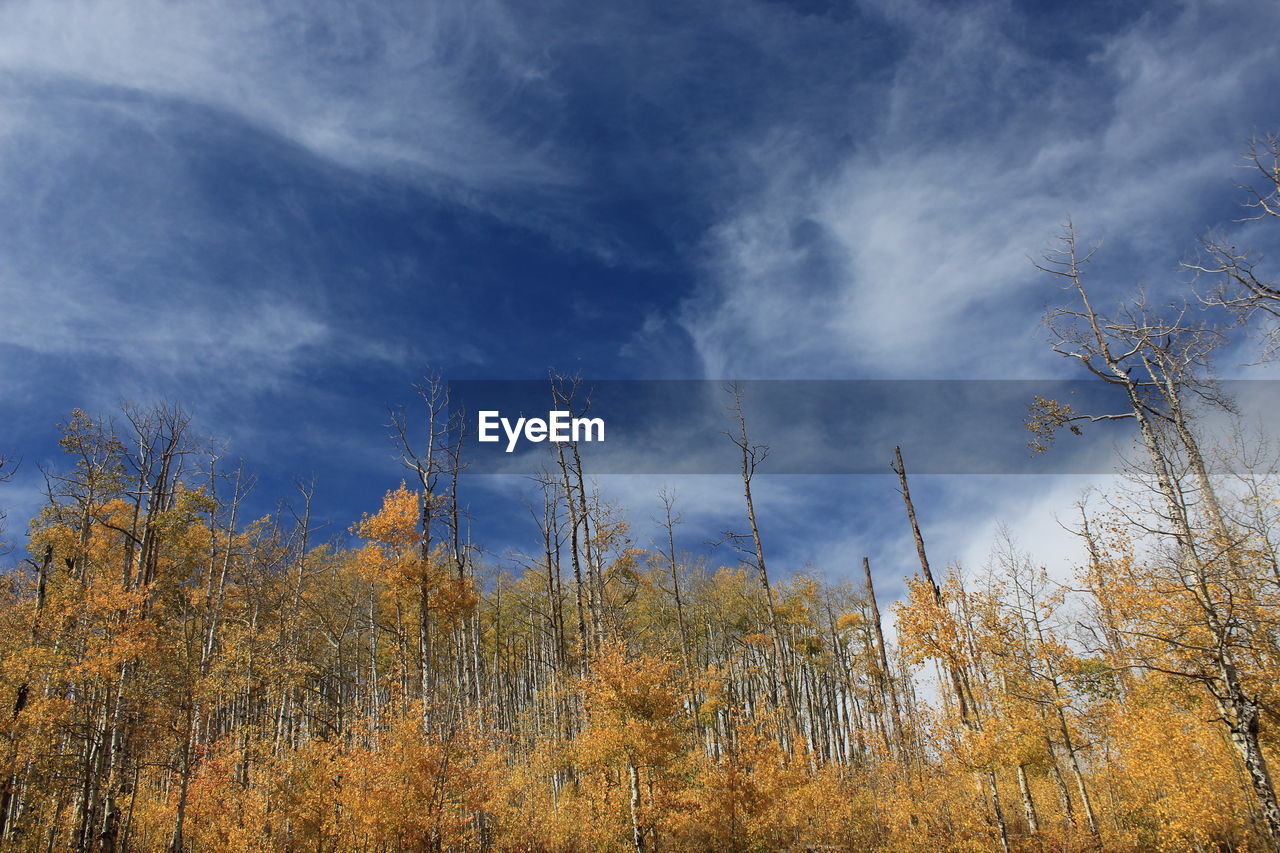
(426, 453)
(564, 391)
(883, 674)
(1242, 286)
(669, 521)
(752, 456)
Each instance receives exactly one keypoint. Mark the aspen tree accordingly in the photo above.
(23, 694)
(884, 675)
(670, 520)
(428, 457)
(968, 714)
(752, 455)
(215, 596)
(1157, 364)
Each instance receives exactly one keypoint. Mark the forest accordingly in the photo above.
(175, 675)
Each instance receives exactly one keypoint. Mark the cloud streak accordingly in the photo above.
(388, 85)
(909, 256)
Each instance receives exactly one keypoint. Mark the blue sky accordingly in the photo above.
(280, 213)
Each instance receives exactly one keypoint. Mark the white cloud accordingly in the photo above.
(910, 257)
(408, 86)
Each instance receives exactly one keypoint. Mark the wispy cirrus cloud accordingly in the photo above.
(409, 85)
(139, 239)
(908, 256)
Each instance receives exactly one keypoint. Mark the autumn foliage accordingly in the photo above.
(200, 682)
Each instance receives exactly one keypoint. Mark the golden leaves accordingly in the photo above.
(1045, 418)
(395, 525)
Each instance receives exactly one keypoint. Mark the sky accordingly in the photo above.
(281, 214)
